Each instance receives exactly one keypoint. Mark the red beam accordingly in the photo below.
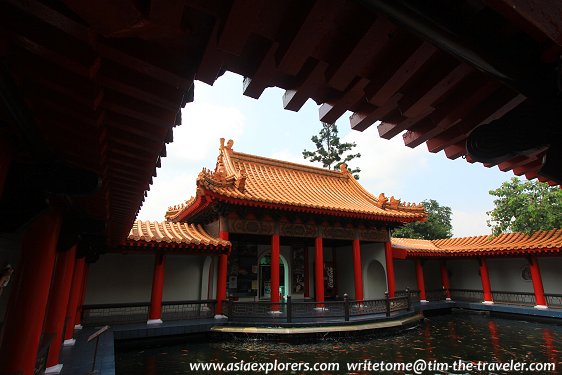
(293, 100)
(362, 120)
(333, 110)
(316, 25)
(404, 73)
(369, 46)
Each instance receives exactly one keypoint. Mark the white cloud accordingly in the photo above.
(195, 146)
(466, 223)
(203, 125)
(384, 163)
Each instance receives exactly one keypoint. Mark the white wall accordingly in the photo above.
(432, 274)
(182, 278)
(551, 273)
(464, 274)
(505, 275)
(405, 274)
(374, 275)
(126, 278)
(119, 278)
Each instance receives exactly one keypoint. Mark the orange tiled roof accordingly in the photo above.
(168, 234)
(263, 181)
(507, 243)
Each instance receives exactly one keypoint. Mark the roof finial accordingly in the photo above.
(343, 168)
(222, 144)
(229, 144)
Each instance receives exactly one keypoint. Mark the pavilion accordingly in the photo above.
(292, 229)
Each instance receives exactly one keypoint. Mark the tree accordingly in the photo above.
(329, 151)
(525, 206)
(437, 226)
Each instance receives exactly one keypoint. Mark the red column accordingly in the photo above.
(155, 315)
(221, 277)
(357, 270)
(29, 297)
(58, 303)
(485, 281)
(77, 282)
(6, 156)
(537, 282)
(319, 272)
(275, 250)
(445, 280)
(389, 269)
(306, 274)
(80, 306)
(419, 278)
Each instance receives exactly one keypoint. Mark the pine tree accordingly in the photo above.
(329, 151)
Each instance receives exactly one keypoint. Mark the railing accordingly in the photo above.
(119, 313)
(554, 300)
(124, 313)
(469, 295)
(435, 295)
(306, 311)
(186, 310)
(514, 298)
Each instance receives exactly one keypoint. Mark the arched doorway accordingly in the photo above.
(375, 281)
(264, 276)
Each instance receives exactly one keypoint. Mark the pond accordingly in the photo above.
(457, 339)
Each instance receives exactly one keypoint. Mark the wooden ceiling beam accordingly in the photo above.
(455, 151)
(331, 111)
(319, 20)
(499, 103)
(369, 46)
(403, 74)
(294, 99)
(240, 23)
(362, 120)
(255, 85)
(450, 112)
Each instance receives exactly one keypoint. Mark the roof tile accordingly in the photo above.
(507, 242)
(263, 180)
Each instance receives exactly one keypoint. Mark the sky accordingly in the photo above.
(262, 127)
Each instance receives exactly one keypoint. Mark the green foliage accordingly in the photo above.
(329, 151)
(437, 226)
(525, 206)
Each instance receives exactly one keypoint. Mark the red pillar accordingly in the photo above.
(540, 300)
(6, 156)
(275, 250)
(80, 307)
(445, 280)
(71, 310)
(389, 269)
(357, 270)
(319, 272)
(29, 297)
(221, 277)
(58, 303)
(485, 281)
(420, 280)
(306, 274)
(155, 315)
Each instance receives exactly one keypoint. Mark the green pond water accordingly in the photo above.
(452, 339)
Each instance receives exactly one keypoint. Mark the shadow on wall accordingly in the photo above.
(375, 281)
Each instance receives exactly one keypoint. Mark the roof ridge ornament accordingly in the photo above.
(241, 181)
(382, 201)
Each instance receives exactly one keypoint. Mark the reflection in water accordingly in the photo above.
(494, 339)
(444, 338)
